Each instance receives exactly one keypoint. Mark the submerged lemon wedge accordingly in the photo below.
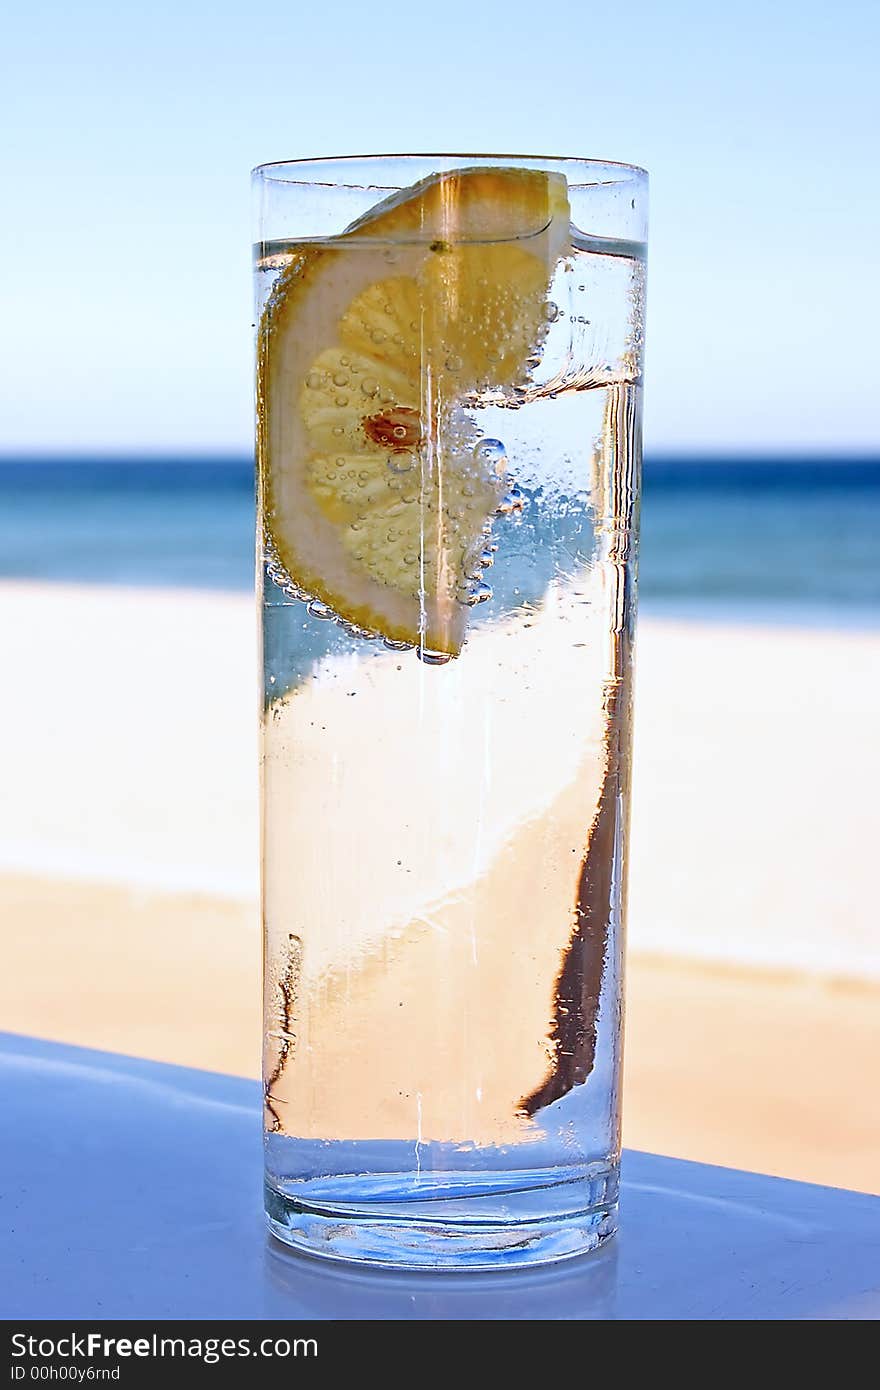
(376, 492)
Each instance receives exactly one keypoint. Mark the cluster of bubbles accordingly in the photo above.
(489, 456)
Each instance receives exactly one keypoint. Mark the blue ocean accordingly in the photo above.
(768, 540)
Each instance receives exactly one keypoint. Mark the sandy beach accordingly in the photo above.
(128, 854)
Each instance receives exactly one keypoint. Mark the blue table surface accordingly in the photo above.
(131, 1189)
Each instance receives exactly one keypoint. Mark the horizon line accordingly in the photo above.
(784, 455)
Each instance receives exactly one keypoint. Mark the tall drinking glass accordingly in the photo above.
(449, 358)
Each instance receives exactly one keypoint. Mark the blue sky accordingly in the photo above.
(125, 210)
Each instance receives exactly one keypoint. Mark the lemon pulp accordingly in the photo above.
(377, 496)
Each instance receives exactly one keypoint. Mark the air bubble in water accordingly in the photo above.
(401, 463)
(512, 501)
(477, 593)
(490, 453)
(317, 609)
(355, 630)
(313, 381)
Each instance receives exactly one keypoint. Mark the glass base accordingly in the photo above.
(524, 1219)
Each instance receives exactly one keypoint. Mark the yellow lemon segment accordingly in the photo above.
(377, 496)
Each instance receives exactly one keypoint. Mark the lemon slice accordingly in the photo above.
(377, 492)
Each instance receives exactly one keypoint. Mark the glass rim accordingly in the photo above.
(632, 172)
